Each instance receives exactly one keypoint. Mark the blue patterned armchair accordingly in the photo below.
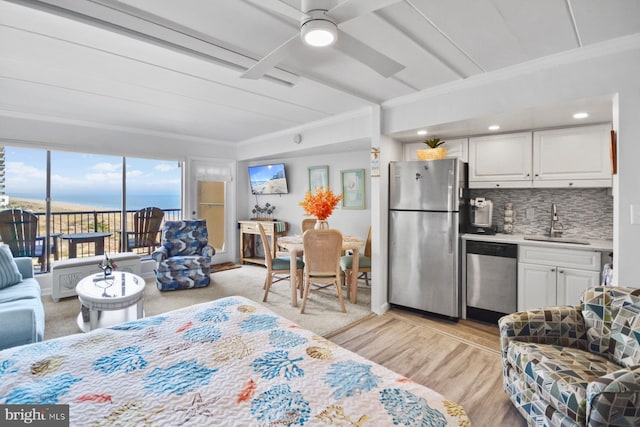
(184, 259)
(576, 366)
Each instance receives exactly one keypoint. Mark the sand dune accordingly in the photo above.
(39, 206)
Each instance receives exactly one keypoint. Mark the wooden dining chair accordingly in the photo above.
(307, 224)
(364, 266)
(322, 262)
(278, 268)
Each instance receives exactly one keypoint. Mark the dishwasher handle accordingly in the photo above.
(505, 250)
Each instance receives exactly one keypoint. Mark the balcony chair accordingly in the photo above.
(19, 230)
(322, 250)
(364, 266)
(184, 259)
(576, 366)
(278, 268)
(146, 228)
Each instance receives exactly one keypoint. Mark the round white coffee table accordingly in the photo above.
(110, 301)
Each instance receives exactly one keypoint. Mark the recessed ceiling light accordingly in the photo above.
(494, 127)
(422, 132)
(580, 115)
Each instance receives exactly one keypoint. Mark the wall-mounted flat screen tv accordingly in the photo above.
(268, 179)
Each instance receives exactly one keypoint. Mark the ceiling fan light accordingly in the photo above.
(319, 32)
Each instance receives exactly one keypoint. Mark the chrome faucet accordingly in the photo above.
(556, 228)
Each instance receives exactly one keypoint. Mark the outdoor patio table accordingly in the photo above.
(75, 239)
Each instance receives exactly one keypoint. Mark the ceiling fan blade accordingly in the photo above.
(370, 57)
(281, 8)
(263, 66)
(353, 8)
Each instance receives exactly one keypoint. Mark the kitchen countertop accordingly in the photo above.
(518, 239)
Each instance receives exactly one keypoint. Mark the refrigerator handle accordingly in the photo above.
(451, 195)
(450, 227)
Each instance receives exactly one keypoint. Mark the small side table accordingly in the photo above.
(117, 295)
(249, 232)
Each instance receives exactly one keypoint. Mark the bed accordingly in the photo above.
(229, 362)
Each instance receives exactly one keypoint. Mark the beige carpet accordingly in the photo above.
(322, 315)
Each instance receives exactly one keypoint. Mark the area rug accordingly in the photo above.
(322, 314)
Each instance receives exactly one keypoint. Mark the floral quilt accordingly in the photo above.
(229, 362)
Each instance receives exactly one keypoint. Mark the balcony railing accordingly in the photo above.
(107, 221)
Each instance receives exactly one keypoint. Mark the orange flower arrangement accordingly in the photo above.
(321, 203)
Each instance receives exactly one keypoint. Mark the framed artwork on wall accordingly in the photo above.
(318, 177)
(353, 189)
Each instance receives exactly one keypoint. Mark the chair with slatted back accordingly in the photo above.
(322, 250)
(278, 268)
(146, 229)
(307, 224)
(364, 266)
(19, 230)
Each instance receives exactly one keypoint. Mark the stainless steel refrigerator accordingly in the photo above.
(426, 211)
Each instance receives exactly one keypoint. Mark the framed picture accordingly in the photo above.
(353, 189)
(318, 177)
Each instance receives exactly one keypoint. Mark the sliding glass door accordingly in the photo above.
(75, 194)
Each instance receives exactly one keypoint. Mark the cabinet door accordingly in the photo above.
(456, 148)
(577, 156)
(572, 282)
(536, 286)
(500, 160)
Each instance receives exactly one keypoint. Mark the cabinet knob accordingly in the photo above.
(536, 175)
(561, 271)
(553, 269)
(528, 175)
(570, 184)
(497, 185)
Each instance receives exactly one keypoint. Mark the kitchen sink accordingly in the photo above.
(544, 238)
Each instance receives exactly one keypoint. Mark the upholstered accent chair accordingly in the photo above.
(576, 366)
(184, 259)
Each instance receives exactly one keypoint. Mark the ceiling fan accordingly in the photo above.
(320, 28)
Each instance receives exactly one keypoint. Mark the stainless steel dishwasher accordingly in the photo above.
(492, 270)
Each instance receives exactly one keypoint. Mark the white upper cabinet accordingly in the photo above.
(456, 149)
(500, 160)
(572, 157)
(569, 157)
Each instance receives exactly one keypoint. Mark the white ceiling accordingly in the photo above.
(174, 66)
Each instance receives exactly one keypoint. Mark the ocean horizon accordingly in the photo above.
(109, 201)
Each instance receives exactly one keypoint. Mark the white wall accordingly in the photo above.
(348, 221)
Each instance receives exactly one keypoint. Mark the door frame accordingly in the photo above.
(190, 201)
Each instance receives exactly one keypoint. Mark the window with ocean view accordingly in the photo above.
(86, 195)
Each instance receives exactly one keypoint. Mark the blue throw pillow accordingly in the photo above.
(9, 273)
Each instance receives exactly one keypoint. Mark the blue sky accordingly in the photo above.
(73, 173)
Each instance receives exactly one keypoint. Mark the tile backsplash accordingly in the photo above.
(583, 212)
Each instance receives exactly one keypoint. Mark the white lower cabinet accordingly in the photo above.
(552, 276)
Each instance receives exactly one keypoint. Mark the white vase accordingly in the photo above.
(321, 224)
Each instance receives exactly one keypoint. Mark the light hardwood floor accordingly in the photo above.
(459, 360)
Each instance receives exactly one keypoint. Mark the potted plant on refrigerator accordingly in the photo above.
(434, 152)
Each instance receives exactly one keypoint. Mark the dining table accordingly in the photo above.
(293, 244)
